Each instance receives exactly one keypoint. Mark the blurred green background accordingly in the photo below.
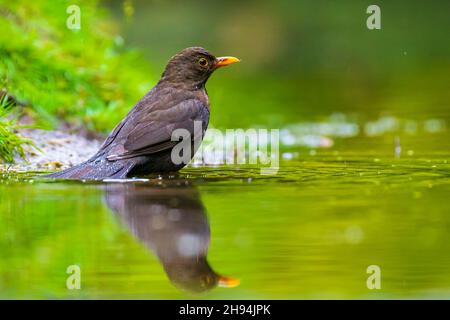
(301, 60)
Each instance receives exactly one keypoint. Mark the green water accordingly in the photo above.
(310, 231)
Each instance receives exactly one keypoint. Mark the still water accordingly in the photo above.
(310, 231)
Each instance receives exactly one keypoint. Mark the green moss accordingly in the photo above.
(86, 77)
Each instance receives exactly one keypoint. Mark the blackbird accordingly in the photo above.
(142, 142)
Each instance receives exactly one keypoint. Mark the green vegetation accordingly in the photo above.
(86, 77)
(11, 143)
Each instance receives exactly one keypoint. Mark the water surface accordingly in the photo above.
(309, 231)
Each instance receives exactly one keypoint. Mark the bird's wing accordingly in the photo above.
(153, 131)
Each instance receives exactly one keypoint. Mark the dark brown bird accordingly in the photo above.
(142, 142)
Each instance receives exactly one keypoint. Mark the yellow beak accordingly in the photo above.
(228, 282)
(225, 61)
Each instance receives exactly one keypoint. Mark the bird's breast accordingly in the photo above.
(202, 95)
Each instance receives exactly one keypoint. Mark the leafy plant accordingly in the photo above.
(11, 143)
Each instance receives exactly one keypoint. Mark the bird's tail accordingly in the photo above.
(95, 170)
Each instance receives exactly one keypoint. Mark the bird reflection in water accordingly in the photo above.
(172, 222)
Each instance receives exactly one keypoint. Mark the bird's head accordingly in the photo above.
(192, 67)
(196, 275)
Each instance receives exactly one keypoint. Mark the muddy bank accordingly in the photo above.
(57, 150)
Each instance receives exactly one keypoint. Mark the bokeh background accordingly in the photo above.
(305, 60)
(302, 60)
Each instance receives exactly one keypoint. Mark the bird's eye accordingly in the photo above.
(203, 62)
